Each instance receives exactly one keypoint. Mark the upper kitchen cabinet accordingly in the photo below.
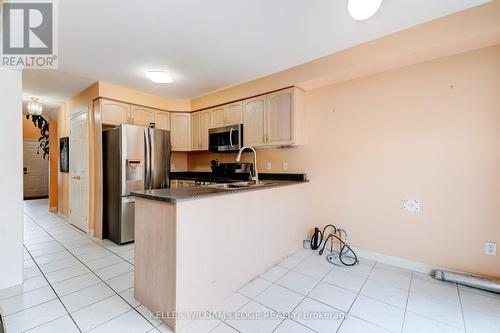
(114, 113)
(195, 131)
(117, 113)
(141, 116)
(218, 117)
(275, 119)
(200, 123)
(254, 121)
(233, 113)
(229, 114)
(285, 118)
(180, 133)
(162, 120)
(205, 119)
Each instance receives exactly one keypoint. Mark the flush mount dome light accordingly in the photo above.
(159, 77)
(35, 108)
(361, 10)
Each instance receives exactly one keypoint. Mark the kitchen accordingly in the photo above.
(199, 195)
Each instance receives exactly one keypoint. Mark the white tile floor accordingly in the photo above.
(74, 283)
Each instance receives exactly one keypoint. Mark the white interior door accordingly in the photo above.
(78, 165)
(36, 171)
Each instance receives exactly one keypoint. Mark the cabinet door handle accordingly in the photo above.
(267, 138)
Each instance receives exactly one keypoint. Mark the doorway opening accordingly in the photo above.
(35, 157)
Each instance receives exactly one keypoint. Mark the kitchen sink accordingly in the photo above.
(239, 185)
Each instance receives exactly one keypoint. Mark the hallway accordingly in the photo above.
(73, 283)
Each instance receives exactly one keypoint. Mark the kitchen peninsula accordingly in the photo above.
(198, 245)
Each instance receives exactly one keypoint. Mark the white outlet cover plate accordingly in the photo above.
(490, 248)
(411, 205)
(269, 165)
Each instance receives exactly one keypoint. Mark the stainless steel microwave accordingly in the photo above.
(225, 139)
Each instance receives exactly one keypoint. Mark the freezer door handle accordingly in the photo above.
(128, 199)
(147, 169)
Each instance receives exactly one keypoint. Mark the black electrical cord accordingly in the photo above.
(318, 236)
(343, 246)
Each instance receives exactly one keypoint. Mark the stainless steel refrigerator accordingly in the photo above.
(134, 158)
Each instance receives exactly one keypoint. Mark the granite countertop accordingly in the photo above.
(180, 194)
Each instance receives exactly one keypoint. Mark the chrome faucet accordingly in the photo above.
(255, 177)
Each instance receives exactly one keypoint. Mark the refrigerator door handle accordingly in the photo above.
(152, 159)
(147, 169)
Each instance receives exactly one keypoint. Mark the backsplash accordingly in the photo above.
(200, 161)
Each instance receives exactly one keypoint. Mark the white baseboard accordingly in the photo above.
(413, 265)
(61, 217)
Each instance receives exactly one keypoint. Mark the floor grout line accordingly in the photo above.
(357, 295)
(55, 293)
(66, 229)
(116, 293)
(406, 304)
(303, 260)
(462, 308)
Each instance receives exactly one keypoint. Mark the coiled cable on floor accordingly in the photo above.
(340, 258)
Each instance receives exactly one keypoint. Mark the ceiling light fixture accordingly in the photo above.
(159, 77)
(361, 10)
(35, 108)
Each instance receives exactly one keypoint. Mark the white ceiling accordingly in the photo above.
(209, 45)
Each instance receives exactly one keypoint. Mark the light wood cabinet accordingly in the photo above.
(205, 119)
(230, 114)
(195, 131)
(200, 123)
(114, 113)
(233, 113)
(275, 119)
(218, 117)
(180, 132)
(141, 116)
(162, 120)
(279, 120)
(254, 121)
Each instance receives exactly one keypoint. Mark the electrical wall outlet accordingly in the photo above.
(172, 167)
(269, 165)
(490, 248)
(411, 205)
(285, 166)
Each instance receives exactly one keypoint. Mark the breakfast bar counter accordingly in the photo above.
(196, 246)
(179, 194)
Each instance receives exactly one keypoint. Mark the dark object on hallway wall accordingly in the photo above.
(43, 125)
(64, 155)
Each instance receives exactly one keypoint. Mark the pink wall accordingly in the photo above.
(430, 132)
